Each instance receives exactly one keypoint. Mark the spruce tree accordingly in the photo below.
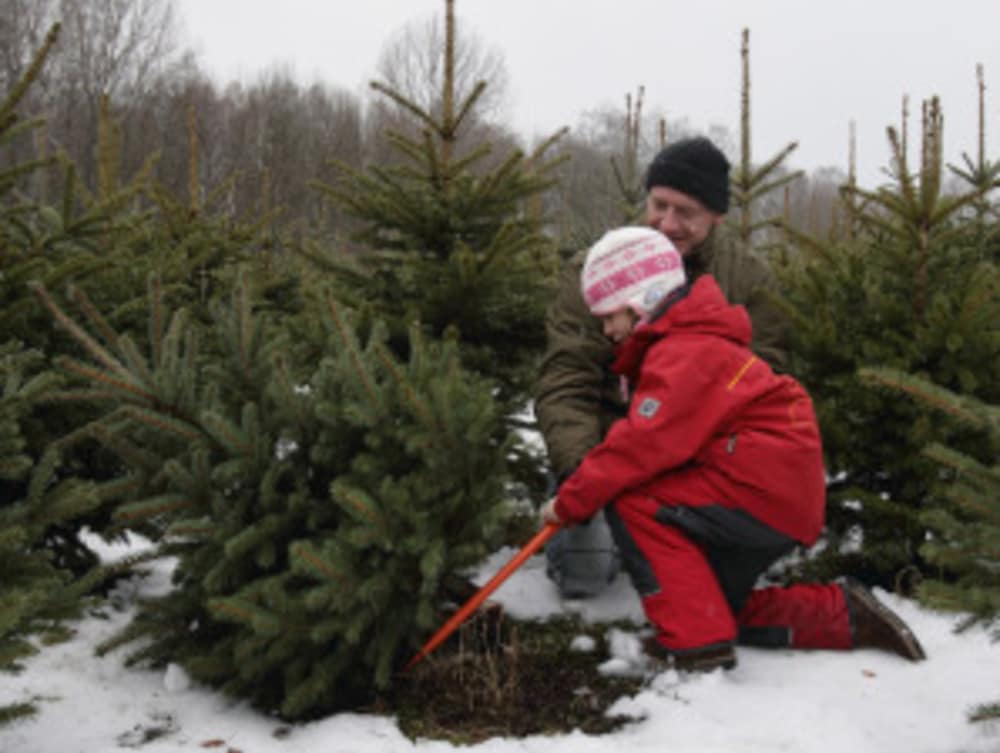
(195, 245)
(321, 513)
(106, 239)
(965, 519)
(912, 288)
(77, 238)
(750, 183)
(38, 241)
(629, 177)
(452, 244)
(36, 590)
(964, 540)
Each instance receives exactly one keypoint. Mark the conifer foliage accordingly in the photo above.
(914, 289)
(965, 523)
(453, 240)
(37, 241)
(319, 516)
(965, 527)
(749, 182)
(41, 500)
(35, 591)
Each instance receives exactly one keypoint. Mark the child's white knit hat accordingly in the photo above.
(630, 267)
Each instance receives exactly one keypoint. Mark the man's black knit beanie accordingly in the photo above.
(696, 167)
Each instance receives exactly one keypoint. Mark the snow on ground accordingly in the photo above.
(802, 702)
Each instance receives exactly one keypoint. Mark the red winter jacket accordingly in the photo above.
(709, 423)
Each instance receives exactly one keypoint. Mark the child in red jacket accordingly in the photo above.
(715, 473)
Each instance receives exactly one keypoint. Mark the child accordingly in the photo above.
(715, 473)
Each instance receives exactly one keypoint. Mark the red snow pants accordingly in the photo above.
(695, 568)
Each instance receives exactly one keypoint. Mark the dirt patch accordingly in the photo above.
(510, 680)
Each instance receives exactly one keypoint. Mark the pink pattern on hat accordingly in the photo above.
(630, 267)
(629, 276)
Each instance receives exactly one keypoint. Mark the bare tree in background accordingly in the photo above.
(162, 125)
(268, 139)
(588, 198)
(583, 203)
(412, 63)
(815, 206)
(23, 25)
(115, 48)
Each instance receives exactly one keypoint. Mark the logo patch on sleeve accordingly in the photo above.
(648, 407)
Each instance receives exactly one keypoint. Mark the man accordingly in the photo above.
(576, 396)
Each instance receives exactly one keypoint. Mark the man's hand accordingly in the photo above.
(549, 514)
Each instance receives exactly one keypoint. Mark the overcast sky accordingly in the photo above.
(816, 65)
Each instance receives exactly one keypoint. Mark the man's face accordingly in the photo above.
(681, 217)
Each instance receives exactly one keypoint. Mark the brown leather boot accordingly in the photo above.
(874, 625)
(698, 660)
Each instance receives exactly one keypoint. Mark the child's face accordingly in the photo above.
(619, 324)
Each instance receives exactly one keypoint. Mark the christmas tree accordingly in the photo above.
(35, 503)
(39, 240)
(750, 183)
(964, 544)
(912, 288)
(453, 240)
(321, 514)
(965, 521)
(46, 569)
(79, 237)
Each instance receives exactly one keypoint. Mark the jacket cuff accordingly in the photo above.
(567, 514)
(561, 478)
(560, 510)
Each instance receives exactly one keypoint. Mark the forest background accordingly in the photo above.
(277, 126)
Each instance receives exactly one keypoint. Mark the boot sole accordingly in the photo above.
(692, 662)
(914, 651)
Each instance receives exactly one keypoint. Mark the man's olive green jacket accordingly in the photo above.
(576, 396)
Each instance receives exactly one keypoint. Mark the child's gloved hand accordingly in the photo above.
(549, 514)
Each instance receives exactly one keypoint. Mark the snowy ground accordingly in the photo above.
(802, 702)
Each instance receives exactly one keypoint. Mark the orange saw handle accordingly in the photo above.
(483, 593)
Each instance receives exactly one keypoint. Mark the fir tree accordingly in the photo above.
(195, 246)
(321, 516)
(750, 183)
(35, 591)
(54, 244)
(453, 245)
(913, 288)
(629, 178)
(109, 236)
(964, 544)
(980, 172)
(106, 239)
(36, 241)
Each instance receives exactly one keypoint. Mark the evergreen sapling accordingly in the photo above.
(320, 520)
